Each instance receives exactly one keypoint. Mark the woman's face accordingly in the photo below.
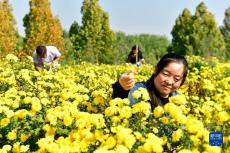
(169, 79)
(135, 51)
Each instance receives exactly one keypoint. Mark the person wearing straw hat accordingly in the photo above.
(135, 56)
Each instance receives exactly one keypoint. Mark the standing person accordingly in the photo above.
(169, 75)
(45, 54)
(135, 56)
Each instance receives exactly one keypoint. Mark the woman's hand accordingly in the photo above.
(127, 81)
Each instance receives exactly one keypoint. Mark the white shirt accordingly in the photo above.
(51, 53)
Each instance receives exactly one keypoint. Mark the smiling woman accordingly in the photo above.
(169, 78)
(169, 75)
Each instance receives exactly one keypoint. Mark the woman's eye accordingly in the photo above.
(165, 74)
(177, 79)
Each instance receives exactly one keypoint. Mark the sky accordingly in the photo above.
(130, 16)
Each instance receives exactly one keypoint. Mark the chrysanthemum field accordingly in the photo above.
(70, 110)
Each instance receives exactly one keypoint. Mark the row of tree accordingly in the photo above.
(94, 41)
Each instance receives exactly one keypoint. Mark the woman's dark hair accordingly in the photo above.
(164, 61)
(135, 47)
(41, 50)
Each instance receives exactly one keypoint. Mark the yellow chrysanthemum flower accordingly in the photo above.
(16, 147)
(136, 94)
(36, 105)
(124, 136)
(144, 93)
(164, 120)
(177, 135)
(5, 122)
(21, 113)
(67, 120)
(193, 125)
(121, 149)
(24, 148)
(178, 99)
(212, 149)
(24, 137)
(138, 135)
(12, 135)
(111, 111)
(185, 151)
(50, 131)
(7, 148)
(12, 57)
(155, 130)
(125, 112)
(27, 100)
(142, 107)
(110, 142)
(158, 111)
(223, 116)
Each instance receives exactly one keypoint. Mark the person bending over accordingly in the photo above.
(49, 55)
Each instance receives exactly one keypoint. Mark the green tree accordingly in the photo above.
(41, 27)
(226, 31)
(95, 37)
(8, 31)
(74, 29)
(75, 40)
(201, 35)
(206, 38)
(180, 34)
(107, 40)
